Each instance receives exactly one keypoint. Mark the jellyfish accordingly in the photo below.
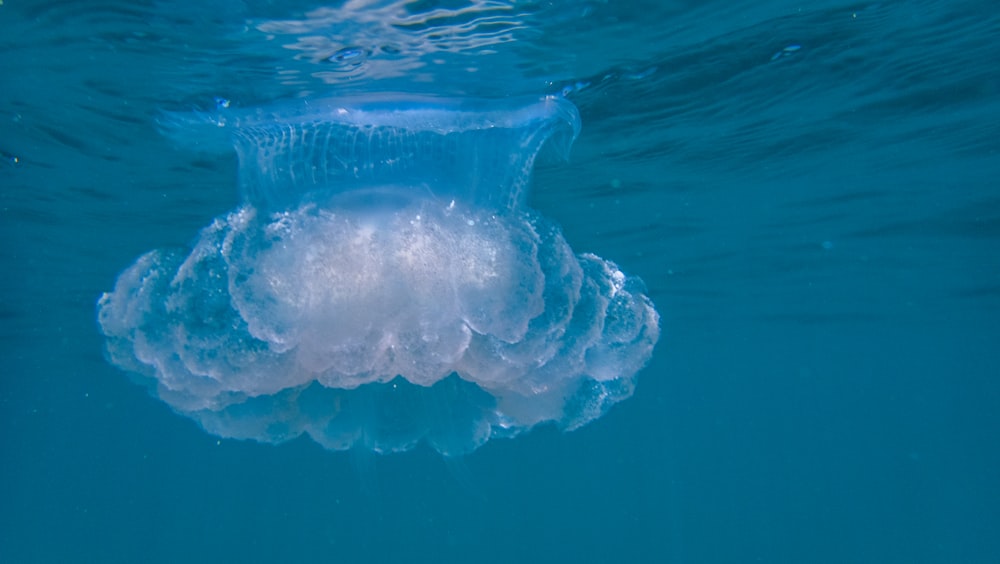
(383, 282)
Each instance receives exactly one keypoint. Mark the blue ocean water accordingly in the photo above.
(809, 193)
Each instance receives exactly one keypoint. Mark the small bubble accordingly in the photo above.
(12, 160)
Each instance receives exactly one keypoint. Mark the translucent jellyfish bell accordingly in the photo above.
(477, 151)
(383, 283)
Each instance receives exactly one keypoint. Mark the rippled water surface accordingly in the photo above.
(809, 192)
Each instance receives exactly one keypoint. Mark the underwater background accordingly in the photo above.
(809, 192)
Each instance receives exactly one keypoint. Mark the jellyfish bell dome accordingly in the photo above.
(383, 282)
(477, 151)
